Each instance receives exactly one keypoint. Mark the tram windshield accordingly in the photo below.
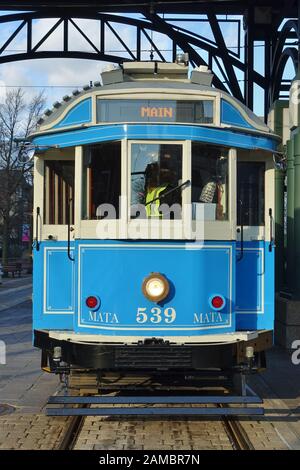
(156, 175)
(155, 181)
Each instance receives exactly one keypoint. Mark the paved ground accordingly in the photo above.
(279, 386)
(146, 434)
(13, 291)
(22, 383)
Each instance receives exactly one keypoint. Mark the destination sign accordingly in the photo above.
(200, 111)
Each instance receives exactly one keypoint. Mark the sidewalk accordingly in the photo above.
(9, 282)
(23, 384)
(15, 291)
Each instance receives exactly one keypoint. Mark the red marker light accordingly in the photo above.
(92, 302)
(217, 302)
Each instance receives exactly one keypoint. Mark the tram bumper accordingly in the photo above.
(153, 353)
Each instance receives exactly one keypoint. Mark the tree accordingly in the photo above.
(18, 118)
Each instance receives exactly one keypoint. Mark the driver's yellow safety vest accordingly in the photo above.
(152, 210)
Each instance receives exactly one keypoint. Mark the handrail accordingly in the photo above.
(69, 231)
(241, 231)
(37, 243)
(271, 231)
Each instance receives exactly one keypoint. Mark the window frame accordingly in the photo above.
(165, 94)
(224, 229)
(260, 232)
(161, 100)
(118, 228)
(57, 231)
(161, 226)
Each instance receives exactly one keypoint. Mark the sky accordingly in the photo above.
(60, 76)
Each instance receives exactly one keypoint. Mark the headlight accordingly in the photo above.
(155, 287)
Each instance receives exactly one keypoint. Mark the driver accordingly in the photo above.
(158, 182)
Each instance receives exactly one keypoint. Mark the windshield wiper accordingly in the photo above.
(187, 182)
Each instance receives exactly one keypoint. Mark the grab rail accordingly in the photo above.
(241, 231)
(70, 229)
(271, 230)
(37, 243)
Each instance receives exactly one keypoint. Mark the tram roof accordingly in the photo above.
(78, 110)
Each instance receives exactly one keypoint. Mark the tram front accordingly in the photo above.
(145, 257)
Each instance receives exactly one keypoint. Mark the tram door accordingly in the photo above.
(255, 247)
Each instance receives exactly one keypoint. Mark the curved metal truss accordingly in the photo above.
(155, 37)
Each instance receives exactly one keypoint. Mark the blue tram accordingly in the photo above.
(154, 203)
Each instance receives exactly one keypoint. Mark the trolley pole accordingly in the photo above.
(297, 215)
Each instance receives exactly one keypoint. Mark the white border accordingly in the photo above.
(261, 309)
(45, 286)
(166, 246)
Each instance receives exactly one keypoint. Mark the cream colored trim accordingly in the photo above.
(56, 197)
(203, 339)
(106, 229)
(252, 233)
(125, 216)
(157, 93)
(217, 110)
(217, 230)
(162, 227)
(66, 153)
(232, 191)
(38, 197)
(269, 198)
(58, 232)
(225, 230)
(64, 201)
(94, 109)
(78, 191)
(47, 194)
(68, 108)
(187, 192)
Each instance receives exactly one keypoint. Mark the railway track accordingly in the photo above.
(221, 430)
(72, 432)
(232, 427)
(237, 434)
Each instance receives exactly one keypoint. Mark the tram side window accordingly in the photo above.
(250, 191)
(209, 182)
(101, 181)
(59, 192)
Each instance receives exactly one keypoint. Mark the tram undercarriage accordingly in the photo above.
(153, 354)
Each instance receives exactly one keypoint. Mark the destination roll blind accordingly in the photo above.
(200, 111)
